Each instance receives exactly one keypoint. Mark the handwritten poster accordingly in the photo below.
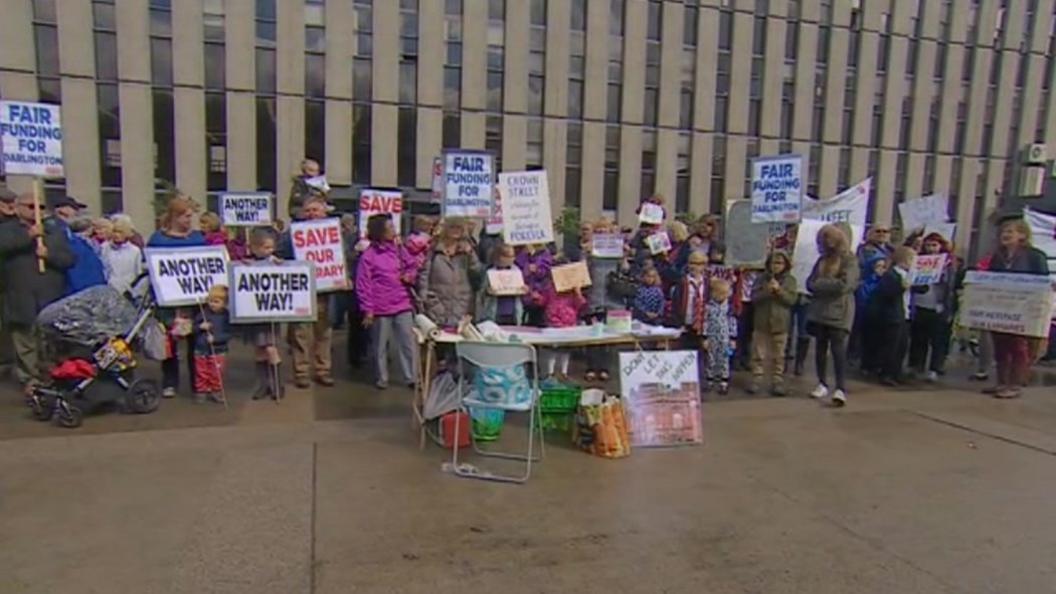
(506, 282)
(1007, 302)
(607, 245)
(569, 276)
(916, 213)
(651, 214)
(526, 208)
(659, 243)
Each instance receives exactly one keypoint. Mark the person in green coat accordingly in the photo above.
(773, 295)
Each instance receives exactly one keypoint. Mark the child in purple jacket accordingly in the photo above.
(535, 262)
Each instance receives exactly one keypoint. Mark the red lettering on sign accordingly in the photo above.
(377, 203)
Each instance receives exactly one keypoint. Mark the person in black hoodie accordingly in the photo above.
(890, 310)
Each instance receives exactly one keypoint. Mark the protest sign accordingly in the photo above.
(607, 245)
(31, 137)
(1007, 302)
(946, 230)
(927, 269)
(659, 243)
(272, 293)
(661, 393)
(777, 189)
(506, 282)
(526, 208)
(849, 206)
(746, 242)
(493, 226)
(468, 183)
(651, 214)
(373, 202)
(918, 212)
(245, 209)
(320, 243)
(569, 276)
(183, 276)
(806, 253)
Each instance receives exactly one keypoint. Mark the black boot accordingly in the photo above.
(263, 385)
(802, 346)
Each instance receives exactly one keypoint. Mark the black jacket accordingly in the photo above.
(26, 290)
(886, 306)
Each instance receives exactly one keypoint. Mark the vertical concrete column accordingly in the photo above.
(914, 182)
(80, 112)
(340, 21)
(943, 184)
(18, 80)
(736, 164)
(865, 90)
(515, 73)
(740, 76)
(593, 186)
(630, 172)
(773, 76)
(951, 90)
(384, 113)
(894, 91)
(884, 187)
(670, 66)
(635, 22)
(1010, 63)
(430, 130)
(240, 105)
(666, 165)
(137, 129)
(514, 142)
(594, 110)
(474, 72)
(966, 188)
(188, 74)
(430, 88)
(289, 125)
(555, 150)
(835, 85)
(704, 85)
(700, 173)
(803, 108)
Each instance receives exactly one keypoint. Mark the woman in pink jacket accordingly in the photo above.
(561, 310)
(385, 300)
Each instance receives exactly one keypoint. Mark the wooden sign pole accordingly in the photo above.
(37, 191)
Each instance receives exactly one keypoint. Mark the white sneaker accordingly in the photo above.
(168, 393)
(839, 398)
(933, 377)
(820, 392)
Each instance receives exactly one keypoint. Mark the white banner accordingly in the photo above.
(1007, 302)
(777, 189)
(526, 208)
(320, 243)
(917, 213)
(1042, 233)
(245, 209)
(272, 293)
(850, 206)
(468, 184)
(31, 137)
(183, 276)
(373, 202)
(661, 394)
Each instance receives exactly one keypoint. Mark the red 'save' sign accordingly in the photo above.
(372, 202)
(320, 243)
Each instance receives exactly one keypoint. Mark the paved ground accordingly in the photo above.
(937, 490)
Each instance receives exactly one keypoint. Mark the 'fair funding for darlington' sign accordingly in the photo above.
(31, 135)
(777, 189)
(469, 179)
(183, 276)
(245, 209)
(273, 293)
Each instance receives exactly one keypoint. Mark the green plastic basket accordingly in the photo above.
(559, 398)
(559, 422)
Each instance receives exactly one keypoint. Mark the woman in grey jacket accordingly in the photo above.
(830, 314)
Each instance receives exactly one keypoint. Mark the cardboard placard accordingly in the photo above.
(245, 209)
(373, 202)
(183, 276)
(569, 276)
(468, 184)
(526, 208)
(746, 242)
(659, 243)
(661, 392)
(272, 293)
(1007, 302)
(777, 189)
(651, 214)
(320, 243)
(506, 282)
(607, 245)
(927, 269)
(31, 138)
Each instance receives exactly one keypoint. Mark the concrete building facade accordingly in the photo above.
(615, 98)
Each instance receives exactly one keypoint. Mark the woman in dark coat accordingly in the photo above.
(832, 283)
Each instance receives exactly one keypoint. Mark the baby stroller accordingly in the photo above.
(93, 334)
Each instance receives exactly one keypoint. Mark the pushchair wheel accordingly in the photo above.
(67, 415)
(142, 397)
(40, 406)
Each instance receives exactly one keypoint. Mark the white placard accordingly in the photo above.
(607, 245)
(183, 276)
(526, 208)
(493, 226)
(777, 189)
(651, 214)
(468, 184)
(506, 282)
(849, 206)
(245, 209)
(1007, 302)
(373, 202)
(320, 243)
(806, 253)
(927, 269)
(659, 243)
(31, 136)
(272, 293)
(661, 394)
(946, 230)
(918, 212)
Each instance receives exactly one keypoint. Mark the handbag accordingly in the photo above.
(621, 285)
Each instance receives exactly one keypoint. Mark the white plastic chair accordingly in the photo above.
(483, 356)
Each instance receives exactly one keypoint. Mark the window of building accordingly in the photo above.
(216, 140)
(407, 147)
(496, 53)
(109, 134)
(537, 57)
(574, 162)
(409, 52)
(267, 144)
(725, 30)
(451, 132)
(615, 70)
(682, 171)
(690, 27)
(361, 129)
(493, 138)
